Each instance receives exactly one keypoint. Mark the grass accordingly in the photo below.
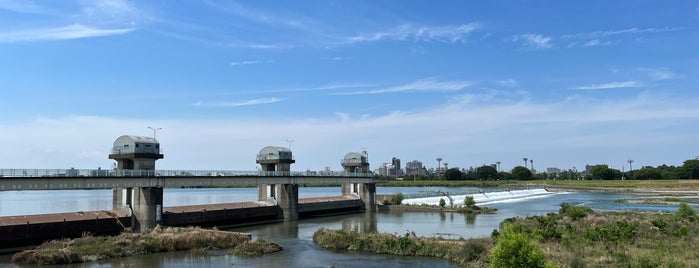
(463, 252)
(92, 248)
(574, 237)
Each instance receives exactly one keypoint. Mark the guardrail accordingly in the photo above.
(34, 173)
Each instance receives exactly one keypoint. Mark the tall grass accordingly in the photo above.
(91, 248)
(463, 252)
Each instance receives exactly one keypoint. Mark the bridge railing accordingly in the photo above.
(72, 172)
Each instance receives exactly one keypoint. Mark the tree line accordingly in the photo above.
(688, 170)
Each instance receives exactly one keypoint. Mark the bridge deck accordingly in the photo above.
(71, 183)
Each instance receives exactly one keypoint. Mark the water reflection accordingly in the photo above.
(470, 219)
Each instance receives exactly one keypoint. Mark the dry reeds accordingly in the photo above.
(89, 248)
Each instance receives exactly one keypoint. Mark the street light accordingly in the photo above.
(289, 141)
(155, 130)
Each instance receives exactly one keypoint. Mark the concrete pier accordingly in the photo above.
(122, 198)
(367, 193)
(147, 208)
(288, 201)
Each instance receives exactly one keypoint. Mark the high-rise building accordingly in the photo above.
(396, 166)
(413, 168)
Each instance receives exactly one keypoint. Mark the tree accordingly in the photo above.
(452, 174)
(486, 173)
(690, 169)
(442, 203)
(647, 173)
(521, 173)
(505, 175)
(603, 172)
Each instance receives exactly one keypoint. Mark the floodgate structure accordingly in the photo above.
(137, 193)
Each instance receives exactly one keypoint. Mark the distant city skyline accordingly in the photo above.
(564, 83)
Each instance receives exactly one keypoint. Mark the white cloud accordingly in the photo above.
(658, 74)
(611, 85)
(596, 42)
(628, 31)
(21, 6)
(74, 31)
(407, 32)
(250, 62)
(533, 41)
(420, 85)
(468, 133)
(237, 104)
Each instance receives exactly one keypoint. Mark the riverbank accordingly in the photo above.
(94, 248)
(426, 208)
(574, 237)
(563, 185)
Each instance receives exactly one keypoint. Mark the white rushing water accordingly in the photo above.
(482, 198)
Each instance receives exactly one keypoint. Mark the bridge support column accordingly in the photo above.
(349, 189)
(121, 197)
(288, 201)
(367, 193)
(147, 208)
(265, 192)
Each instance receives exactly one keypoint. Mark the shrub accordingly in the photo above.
(574, 212)
(548, 227)
(685, 212)
(514, 249)
(469, 202)
(396, 199)
(259, 247)
(442, 203)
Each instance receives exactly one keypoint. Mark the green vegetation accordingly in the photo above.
(92, 248)
(472, 252)
(259, 247)
(514, 250)
(396, 199)
(442, 203)
(574, 237)
(655, 184)
(688, 171)
(469, 202)
(611, 239)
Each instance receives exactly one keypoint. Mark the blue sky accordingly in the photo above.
(565, 83)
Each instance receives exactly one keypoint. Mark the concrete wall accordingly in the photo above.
(38, 228)
(220, 217)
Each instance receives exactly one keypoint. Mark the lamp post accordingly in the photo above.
(155, 130)
(289, 141)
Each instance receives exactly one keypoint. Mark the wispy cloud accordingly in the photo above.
(270, 46)
(533, 41)
(74, 31)
(238, 104)
(596, 42)
(420, 85)
(507, 83)
(337, 58)
(611, 85)
(491, 132)
(628, 31)
(21, 6)
(407, 32)
(250, 62)
(658, 74)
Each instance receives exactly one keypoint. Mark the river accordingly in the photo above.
(296, 237)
